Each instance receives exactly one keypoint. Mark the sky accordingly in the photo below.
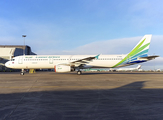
(83, 26)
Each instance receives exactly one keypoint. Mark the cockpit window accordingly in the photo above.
(12, 59)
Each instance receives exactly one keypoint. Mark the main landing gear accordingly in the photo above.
(79, 72)
(22, 72)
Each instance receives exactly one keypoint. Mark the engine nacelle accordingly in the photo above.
(62, 68)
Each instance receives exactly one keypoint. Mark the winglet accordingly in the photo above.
(97, 56)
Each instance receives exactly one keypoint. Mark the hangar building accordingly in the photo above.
(9, 51)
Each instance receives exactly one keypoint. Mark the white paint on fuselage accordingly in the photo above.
(49, 61)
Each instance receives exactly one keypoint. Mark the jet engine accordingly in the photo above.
(62, 68)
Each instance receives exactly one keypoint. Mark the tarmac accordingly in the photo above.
(90, 96)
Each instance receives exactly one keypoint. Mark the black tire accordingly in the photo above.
(21, 73)
(79, 72)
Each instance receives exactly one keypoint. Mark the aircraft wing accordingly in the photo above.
(85, 60)
(81, 61)
(148, 57)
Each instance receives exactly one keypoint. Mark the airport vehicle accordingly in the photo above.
(67, 63)
(129, 69)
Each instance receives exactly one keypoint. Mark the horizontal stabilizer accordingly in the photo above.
(148, 57)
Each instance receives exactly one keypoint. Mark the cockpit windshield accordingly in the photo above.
(12, 59)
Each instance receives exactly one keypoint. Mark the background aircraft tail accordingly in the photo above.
(139, 66)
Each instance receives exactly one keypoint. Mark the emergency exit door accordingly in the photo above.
(50, 60)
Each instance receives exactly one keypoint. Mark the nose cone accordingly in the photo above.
(7, 64)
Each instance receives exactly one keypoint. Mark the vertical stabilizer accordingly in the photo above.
(140, 50)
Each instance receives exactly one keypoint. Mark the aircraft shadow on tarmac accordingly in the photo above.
(126, 102)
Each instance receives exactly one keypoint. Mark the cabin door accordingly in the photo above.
(50, 60)
(20, 60)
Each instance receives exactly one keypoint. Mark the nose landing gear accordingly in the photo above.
(22, 72)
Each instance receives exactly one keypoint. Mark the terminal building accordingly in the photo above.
(9, 51)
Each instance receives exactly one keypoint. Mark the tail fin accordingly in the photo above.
(140, 50)
(139, 66)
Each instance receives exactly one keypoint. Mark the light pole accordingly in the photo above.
(24, 44)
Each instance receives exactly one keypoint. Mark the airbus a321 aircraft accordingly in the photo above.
(67, 63)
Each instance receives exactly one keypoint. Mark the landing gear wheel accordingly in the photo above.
(79, 72)
(22, 73)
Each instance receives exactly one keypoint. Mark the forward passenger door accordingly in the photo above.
(20, 60)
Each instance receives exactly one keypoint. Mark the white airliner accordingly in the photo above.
(129, 69)
(67, 63)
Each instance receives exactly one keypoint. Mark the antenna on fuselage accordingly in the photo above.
(24, 44)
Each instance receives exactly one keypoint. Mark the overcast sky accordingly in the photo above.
(82, 26)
